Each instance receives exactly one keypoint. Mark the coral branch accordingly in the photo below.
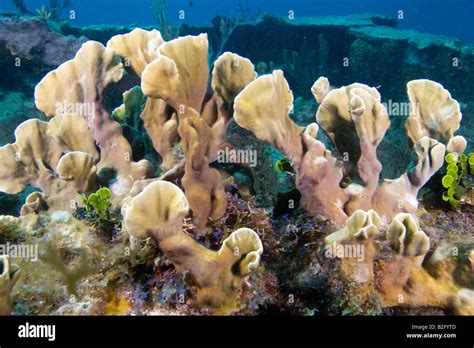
(159, 212)
(77, 87)
(58, 157)
(400, 195)
(404, 278)
(9, 274)
(263, 108)
(433, 112)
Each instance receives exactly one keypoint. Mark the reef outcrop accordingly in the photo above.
(159, 212)
(355, 120)
(397, 265)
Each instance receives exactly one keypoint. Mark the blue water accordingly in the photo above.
(443, 17)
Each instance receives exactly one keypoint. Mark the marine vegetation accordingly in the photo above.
(459, 178)
(70, 275)
(97, 213)
(97, 205)
(51, 11)
(43, 13)
(160, 10)
(21, 7)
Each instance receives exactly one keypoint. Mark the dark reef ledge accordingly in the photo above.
(379, 54)
(32, 39)
(374, 50)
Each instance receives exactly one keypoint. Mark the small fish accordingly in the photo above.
(346, 181)
(190, 3)
(284, 166)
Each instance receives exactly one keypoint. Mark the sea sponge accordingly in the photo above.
(179, 77)
(80, 168)
(80, 80)
(138, 48)
(403, 281)
(9, 274)
(405, 236)
(318, 176)
(453, 264)
(230, 75)
(161, 206)
(360, 225)
(37, 152)
(409, 280)
(180, 74)
(370, 120)
(160, 79)
(161, 124)
(354, 247)
(320, 89)
(202, 184)
(263, 108)
(400, 195)
(434, 113)
(158, 212)
(76, 87)
(456, 144)
(356, 121)
(190, 55)
(72, 133)
(405, 277)
(34, 203)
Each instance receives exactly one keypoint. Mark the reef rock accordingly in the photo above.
(32, 39)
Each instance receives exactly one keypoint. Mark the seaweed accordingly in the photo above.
(459, 178)
(97, 214)
(160, 9)
(21, 7)
(52, 11)
(70, 275)
(224, 27)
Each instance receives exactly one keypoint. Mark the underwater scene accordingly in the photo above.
(246, 158)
